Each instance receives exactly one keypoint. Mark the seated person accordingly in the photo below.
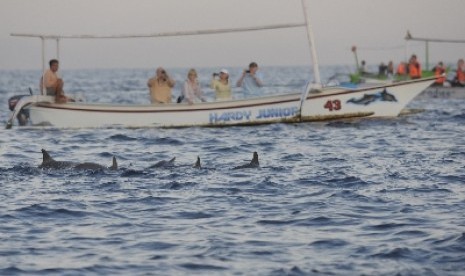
(160, 87)
(52, 83)
(220, 83)
(250, 81)
(192, 91)
(460, 74)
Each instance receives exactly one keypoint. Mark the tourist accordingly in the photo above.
(414, 68)
(439, 72)
(192, 91)
(160, 87)
(401, 71)
(250, 81)
(460, 74)
(220, 83)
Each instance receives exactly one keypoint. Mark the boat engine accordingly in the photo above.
(23, 115)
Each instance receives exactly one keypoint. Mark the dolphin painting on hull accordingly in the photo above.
(383, 96)
(49, 163)
(253, 163)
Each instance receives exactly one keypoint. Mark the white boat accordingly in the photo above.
(315, 103)
(441, 92)
(438, 92)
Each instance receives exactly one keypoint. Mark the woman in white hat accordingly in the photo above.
(220, 83)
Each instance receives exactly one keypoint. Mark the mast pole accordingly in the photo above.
(427, 54)
(311, 41)
(58, 48)
(42, 88)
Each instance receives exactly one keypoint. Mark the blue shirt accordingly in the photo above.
(250, 86)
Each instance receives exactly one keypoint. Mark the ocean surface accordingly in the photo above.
(355, 197)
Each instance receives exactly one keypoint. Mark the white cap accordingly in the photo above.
(224, 71)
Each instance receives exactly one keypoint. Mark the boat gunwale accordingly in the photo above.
(211, 106)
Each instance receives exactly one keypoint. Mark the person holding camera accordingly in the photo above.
(250, 81)
(160, 87)
(220, 83)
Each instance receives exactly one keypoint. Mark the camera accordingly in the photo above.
(248, 71)
(216, 74)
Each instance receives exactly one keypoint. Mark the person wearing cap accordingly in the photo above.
(220, 83)
(160, 87)
(250, 81)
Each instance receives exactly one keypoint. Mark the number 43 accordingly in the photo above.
(333, 105)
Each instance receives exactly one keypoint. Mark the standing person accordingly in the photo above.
(439, 72)
(250, 81)
(220, 83)
(414, 68)
(460, 74)
(160, 87)
(52, 82)
(192, 91)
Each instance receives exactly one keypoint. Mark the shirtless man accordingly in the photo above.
(53, 83)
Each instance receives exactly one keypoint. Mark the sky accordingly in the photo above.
(376, 27)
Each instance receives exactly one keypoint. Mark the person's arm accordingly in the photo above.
(213, 82)
(241, 79)
(48, 80)
(199, 93)
(187, 93)
(257, 80)
(170, 81)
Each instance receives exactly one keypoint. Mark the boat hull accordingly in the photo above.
(438, 92)
(329, 104)
(383, 100)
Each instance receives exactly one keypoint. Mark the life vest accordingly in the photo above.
(439, 72)
(401, 69)
(414, 70)
(460, 75)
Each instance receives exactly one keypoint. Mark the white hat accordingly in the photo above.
(224, 71)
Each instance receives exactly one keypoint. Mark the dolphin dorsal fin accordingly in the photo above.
(197, 163)
(172, 160)
(255, 159)
(46, 157)
(114, 165)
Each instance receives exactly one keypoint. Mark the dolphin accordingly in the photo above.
(164, 164)
(197, 164)
(365, 100)
(49, 163)
(253, 163)
(95, 167)
(385, 96)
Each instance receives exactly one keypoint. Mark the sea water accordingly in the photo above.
(355, 197)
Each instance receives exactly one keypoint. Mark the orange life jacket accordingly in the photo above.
(414, 70)
(401, 69)
(460, 75)
(438, 72)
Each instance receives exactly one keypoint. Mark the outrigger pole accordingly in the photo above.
(428, 40)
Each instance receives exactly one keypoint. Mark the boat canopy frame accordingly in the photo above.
(316, 85)
(409, 36)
